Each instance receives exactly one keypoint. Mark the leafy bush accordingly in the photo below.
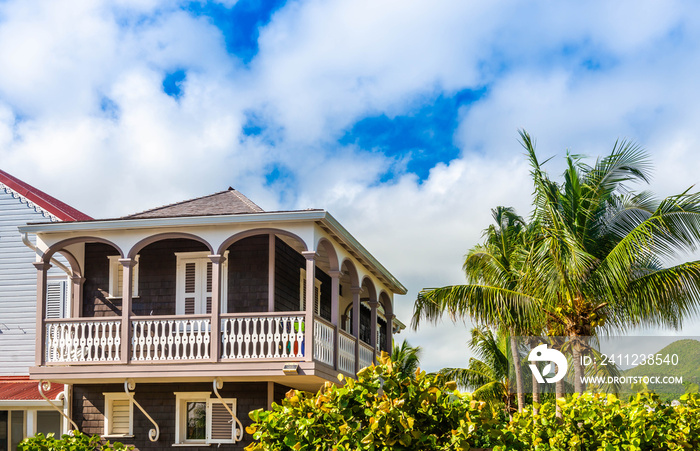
(76, 441)
(383, 410)
(603, 422)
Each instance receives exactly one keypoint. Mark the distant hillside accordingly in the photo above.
(688, 352)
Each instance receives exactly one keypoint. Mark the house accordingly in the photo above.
(184, 318)
(23, 411)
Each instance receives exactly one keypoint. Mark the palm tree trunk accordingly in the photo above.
(519, 386)
(576, 347)
(535, 395)
(559, 393)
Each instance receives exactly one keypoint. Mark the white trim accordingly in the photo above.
(109, 402)
(29, 203)
(302, 293)
(181, 399)
(210, 417)
(201, 259)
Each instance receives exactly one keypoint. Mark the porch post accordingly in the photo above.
(271, 274)
(127, 290)
(77, 301)
(335, 312)
(356, 324)
(41, 270)
(373, 305)
(389, 332)
(215, 339)
(309, 295)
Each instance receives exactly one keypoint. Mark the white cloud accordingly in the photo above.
(323, 65)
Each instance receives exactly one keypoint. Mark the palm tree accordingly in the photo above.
(488, 375)
(406, 359)
(494, 294)
(599, 261)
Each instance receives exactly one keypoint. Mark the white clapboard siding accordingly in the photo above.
(17, 286)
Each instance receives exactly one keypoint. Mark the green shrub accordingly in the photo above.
(603, 422)
(382, 410)
(75, 441)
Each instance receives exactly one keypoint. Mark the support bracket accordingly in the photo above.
(154, 433)
(46, 385)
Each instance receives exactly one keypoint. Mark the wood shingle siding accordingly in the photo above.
(159, 401)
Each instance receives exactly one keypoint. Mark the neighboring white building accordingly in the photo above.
(23, 412)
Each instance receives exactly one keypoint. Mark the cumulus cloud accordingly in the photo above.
(85, 117)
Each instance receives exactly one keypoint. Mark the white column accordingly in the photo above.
(77, 298)
(31, 422)
(309, 295)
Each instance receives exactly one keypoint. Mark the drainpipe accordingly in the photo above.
(30, 245)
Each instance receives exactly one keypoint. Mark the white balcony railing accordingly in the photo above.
(94, 340)
(366, 355)
(346, 353)
(262, 337)
(170, 338)
(324, 342)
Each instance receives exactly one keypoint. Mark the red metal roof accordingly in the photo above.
(21, 388)
(54, 206)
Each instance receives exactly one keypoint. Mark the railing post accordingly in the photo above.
(309, 295)
(335, 312)
(373, 339)
(39, 352)
(215, 339)
(356, 323)
(127, 291)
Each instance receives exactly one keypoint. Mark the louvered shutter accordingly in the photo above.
(190, 285)
(56, 294)
(220, 424)
(120, 417)
(209, 279)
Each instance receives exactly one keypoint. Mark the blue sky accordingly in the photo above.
(398, 117)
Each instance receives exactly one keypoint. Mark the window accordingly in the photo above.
(302, 293)
(119, 415)
(194, 283)
(12, 426)
(201, 419)
(116, 277)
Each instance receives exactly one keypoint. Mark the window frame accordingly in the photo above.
(302, 293)
(198, 256)
(109, 402)
(114, 285)
(181, 400)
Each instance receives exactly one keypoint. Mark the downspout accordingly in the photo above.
(153, 434)
(46, 385)
(237, 431)
(30, 245)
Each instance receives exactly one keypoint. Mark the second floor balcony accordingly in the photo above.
(243, 304)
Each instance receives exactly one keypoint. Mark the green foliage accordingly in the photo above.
(76, 441)
(383, 410)
(603, 422)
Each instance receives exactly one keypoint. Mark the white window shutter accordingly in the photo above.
(56, 294)
(220, 425)
(121, 417)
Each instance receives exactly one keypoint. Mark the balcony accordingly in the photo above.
(87, 344)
